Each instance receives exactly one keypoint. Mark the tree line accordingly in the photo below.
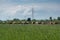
(34, 21)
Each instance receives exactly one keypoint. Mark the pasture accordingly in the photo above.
(29, 32)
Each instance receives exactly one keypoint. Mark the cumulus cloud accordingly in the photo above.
(26, 9)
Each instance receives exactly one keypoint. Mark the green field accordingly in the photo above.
(29, 32)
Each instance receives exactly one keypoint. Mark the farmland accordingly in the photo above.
(29, 32)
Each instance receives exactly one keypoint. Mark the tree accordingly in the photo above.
(50, 18)
(58, 18)
(16, 19)
(29, 19)
(0, 21)
(8, 21)
(34, 20)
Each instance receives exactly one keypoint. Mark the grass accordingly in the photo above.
(29, 32)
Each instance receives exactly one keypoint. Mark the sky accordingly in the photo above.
(22, 9)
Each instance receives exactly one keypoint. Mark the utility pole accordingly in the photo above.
(32, 13)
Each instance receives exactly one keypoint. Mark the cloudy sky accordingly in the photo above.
(22, 9)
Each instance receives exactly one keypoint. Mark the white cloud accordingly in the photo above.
(12, 10)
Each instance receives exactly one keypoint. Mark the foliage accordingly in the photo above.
(0, 21)
(29, 19)
(50, 18)
(58, 18)
(18, 21)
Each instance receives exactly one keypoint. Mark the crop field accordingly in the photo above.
(29, 32)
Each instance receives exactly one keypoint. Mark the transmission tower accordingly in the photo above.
(32, 13)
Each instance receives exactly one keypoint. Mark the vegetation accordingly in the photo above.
(29, 32)
(17, 29)
(58, 18)
(34, 21)
(50, 18)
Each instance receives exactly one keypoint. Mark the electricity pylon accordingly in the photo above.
(32, 13)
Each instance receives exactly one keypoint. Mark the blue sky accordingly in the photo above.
(22, 9)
